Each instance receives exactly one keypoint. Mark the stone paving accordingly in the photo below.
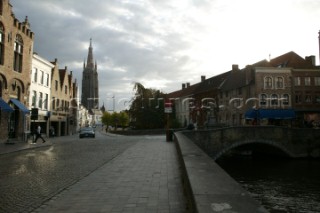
(144, 178)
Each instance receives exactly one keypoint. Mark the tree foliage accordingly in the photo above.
(115, 119)
(147, 108)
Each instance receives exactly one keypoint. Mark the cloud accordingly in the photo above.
(162, 44)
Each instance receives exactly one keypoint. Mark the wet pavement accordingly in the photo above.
(144, 177)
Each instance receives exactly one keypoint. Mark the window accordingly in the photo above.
(279, 83)
(285, 99)
(297, 81)
(40, 100)
(46, 101)
(274, 100)
(317, 98)
(1, 7)
(56, 85)
(41, 77)
(58, 104)
(308, 98)
(35, 75)
(66, 89)
(317, 81)
(298, 98)
(46, 79)
(268, 83)
(307, 81)
(34, 98)
(18, 53)
(53, 105)
(1, 43)
(263, 100)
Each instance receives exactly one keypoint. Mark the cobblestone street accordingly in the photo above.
(29, 177)
(107, 174)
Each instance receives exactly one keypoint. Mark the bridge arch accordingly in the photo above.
(264, 143)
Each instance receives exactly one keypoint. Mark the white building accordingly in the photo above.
(40, 95)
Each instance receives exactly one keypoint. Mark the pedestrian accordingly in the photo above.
(51, 132)
(39, 135)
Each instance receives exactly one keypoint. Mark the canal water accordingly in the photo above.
(280, 185)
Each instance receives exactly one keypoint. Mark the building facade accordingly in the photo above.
(282, 91)
(16, 48)
(40, 93)
(63, 116)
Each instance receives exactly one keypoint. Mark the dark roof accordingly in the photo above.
(237, 78)
(188, 91)
(290, 59)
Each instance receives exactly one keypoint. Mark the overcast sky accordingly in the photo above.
(164, 43)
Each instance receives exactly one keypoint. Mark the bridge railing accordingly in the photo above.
(296, 142)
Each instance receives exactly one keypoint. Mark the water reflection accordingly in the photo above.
(281, 185)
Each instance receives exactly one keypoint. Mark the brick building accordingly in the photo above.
(16, 48)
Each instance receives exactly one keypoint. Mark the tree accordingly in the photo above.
(106, 119)
(147, 110)
(115, 119)
(123, 119)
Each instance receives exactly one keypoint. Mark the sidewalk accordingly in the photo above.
(145, 178)
(6, 148)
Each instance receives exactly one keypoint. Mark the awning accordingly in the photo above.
(4, 106)
(20, 105)
(270, 114)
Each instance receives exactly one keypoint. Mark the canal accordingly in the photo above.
(280, 184)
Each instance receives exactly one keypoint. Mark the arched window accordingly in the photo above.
(1, 43)
(274, 100)
(18, 53)
(263, 100)
(285, 99)
(279, 83)
(268, 83)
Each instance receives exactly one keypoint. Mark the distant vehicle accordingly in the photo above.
(87, 132)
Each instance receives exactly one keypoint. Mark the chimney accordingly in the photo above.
(188, 84)
(235, 67)
(311, 60)
(203, 78)
(183, 86)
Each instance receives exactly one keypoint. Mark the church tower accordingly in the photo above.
(90, 86)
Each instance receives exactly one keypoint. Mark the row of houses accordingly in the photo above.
(30, 83)
(282, 91)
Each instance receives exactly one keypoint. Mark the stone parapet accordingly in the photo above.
(208, 187)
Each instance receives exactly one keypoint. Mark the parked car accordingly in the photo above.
(87, 132)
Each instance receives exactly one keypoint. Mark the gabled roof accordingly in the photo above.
(290, 59)
(62, 75)
(238, 78)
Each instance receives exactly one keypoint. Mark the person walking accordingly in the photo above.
(39, 135)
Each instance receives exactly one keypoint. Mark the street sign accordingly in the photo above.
(168, 107)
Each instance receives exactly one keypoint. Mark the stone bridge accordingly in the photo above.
(292, 142)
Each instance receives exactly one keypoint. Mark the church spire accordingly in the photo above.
(90, 62)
